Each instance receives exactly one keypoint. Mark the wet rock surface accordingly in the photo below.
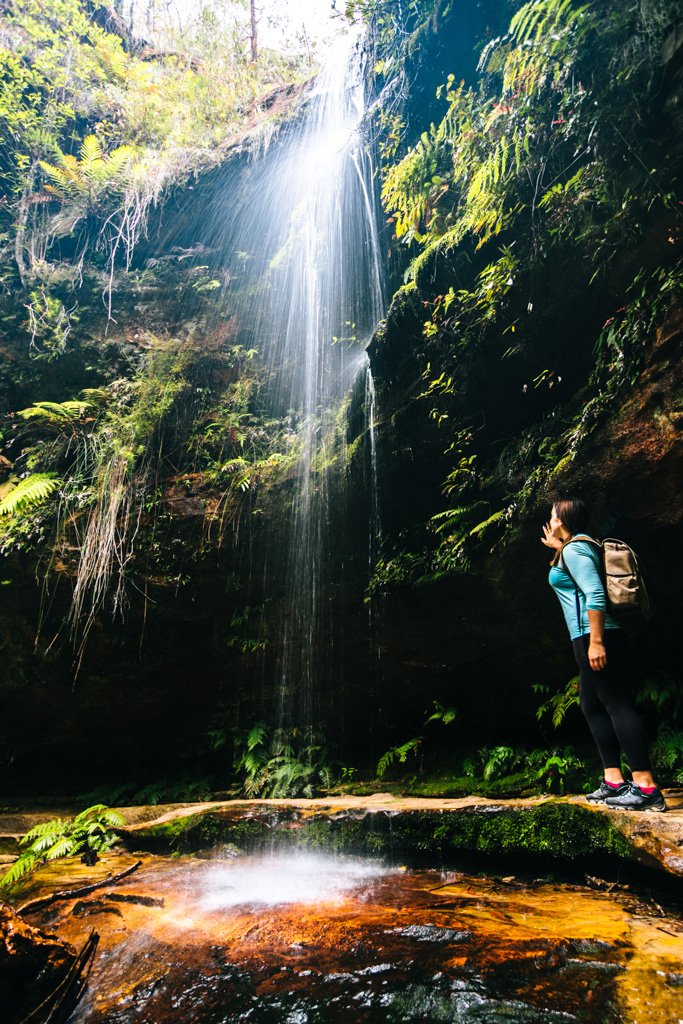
(564, 828)
(32, 963)
(555, 827)
(304, 938)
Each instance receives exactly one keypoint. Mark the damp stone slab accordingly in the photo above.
(563, 828)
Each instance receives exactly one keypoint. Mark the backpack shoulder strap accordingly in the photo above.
(579, 536)
(563, 565)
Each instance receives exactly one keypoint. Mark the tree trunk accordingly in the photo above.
(254, 35)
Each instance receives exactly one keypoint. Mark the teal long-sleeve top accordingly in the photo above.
(583, 562)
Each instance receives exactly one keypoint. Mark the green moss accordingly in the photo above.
(558, 831)
(554, 830)
(198, 832)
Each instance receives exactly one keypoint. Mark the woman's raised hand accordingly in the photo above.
(549, 539)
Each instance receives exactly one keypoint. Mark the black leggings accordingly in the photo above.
(608, 706)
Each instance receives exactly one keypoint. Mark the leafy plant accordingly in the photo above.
(558, 705)
(667, 753)
(555, 774)
(664, 693)
(281, 763)
(92, 175)
(498, 761)
(89, 834)
(398, 754)
(441, 714)
(32, 490)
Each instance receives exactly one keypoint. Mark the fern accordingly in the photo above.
(56, 413)
(560, 703)
(667, 749)
(441, 714)
(399, 754)
(91, 832)
(93, 176)
(481, 528)
(499, 760)
(32, 490)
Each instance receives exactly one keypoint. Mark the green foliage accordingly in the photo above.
(664, 693)
(559, 703)
(32, 490)
(468, 174)
(441, 714)
(107, 132)
(399, 570)
(50, 323)
(89, 834)
(498, 761)
(558, 770)
(92, 178)
(281, 763)
(553, 152)
(436, 712)
(398, 754)
(159, 791)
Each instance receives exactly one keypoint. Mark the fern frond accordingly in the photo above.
(91, 162)
(117, 161)
(53, 827)
(32, 490)
(25, 863)
(56, 412)
(481, 528)
(61, 848)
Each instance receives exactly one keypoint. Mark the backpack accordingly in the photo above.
(627, 596)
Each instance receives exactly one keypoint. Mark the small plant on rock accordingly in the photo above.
(89, 834)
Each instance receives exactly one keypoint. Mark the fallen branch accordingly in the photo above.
(69, 894)
(131, 897)
(69, 989)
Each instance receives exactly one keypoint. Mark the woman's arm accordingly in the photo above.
(584, 572)
(597, 655)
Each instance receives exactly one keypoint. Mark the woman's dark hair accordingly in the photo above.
(574, 514)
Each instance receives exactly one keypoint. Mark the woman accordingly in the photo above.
(600, 651)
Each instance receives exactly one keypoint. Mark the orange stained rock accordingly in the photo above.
(471, 924)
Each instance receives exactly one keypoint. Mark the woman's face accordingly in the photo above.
(556, 524)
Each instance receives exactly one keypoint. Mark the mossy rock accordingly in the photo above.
(554, 830)
(198, 832)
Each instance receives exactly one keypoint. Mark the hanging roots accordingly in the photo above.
(106, 547)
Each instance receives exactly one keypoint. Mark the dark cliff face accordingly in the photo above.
(482, 636)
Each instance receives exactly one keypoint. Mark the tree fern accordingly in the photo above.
(56, 413)
(30, 491)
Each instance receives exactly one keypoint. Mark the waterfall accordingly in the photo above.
(305, 246)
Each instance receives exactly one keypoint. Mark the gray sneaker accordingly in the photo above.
(598, 796)
(633, 799)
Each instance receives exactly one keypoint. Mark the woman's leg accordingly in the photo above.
(608, 706)
(595, 713)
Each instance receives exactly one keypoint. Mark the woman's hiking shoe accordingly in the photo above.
(599, 795)
(633, 799)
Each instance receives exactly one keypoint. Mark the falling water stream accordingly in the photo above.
(302, 235)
